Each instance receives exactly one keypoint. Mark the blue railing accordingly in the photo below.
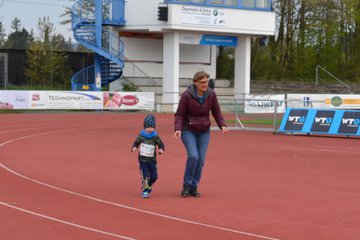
(84, 79)
(114, 12)
(108, 47)
(263, 5)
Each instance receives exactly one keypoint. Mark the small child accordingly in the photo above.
(147, 139)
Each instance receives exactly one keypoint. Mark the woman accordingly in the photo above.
(192, 124)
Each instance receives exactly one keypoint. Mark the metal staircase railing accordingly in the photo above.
(110, 51)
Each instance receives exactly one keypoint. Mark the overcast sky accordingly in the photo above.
(29, 12)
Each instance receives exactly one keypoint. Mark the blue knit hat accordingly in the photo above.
(149, 121)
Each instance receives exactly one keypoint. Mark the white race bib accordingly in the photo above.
(147, 150)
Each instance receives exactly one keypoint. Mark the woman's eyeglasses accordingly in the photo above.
(203, 82)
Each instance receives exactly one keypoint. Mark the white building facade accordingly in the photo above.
(184, 39)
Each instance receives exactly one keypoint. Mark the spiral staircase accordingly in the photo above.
(91, 23)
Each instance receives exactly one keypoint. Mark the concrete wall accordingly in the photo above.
(147, 55)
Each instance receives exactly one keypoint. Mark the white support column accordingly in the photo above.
(242, 67)
(170, 98)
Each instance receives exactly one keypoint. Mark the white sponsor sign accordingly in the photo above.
(305, 101)
(343, 101)
(265, 103)
(204, 16)
(74, 100)
(14, 99)
(324, 101)
(129, 100)
(38, 99)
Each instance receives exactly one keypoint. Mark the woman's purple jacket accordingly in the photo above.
(194, 115)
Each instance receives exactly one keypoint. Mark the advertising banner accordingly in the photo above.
(322, 121)
(82, 100)
(343, 101)
(14, 99)
(349, 123)
(227, 41)
(38, 99)
(203, 16)
(207, 39)
(265, 103)
(305, 100)
(338, 122)
(74, 100)
(295, 119)
(129, 100)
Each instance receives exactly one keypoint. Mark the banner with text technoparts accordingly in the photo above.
(320, 121)
(74, 100)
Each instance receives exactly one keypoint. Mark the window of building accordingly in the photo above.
(248, 4)
(231, 2)
(216, 2)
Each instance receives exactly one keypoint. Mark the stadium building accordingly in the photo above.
(167, 39)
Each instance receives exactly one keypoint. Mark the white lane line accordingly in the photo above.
(65, 222)
(120, 205)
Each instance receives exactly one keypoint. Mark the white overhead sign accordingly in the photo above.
(203, 16)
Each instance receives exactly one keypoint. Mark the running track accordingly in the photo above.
(73, 177)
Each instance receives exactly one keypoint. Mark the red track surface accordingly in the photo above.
(72, 176)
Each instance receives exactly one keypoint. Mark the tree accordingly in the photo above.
(2, 30)
(59, 43)
(311, 33)
(16, 25)
(18, 38)
(46, 66)
(225, 60)
(2, 35)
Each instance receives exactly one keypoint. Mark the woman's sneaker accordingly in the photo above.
(193, 192)
(186, 191)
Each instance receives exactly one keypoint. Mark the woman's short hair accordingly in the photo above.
(200, 75)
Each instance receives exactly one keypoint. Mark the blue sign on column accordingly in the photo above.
(227, 41)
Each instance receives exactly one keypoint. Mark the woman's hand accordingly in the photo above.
(224, 129)
(177, 134)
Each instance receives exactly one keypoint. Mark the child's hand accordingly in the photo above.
(161, 151)
(133, 149)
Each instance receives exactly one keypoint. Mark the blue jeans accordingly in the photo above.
(196, 144)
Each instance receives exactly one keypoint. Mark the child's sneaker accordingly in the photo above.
(146, 193)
